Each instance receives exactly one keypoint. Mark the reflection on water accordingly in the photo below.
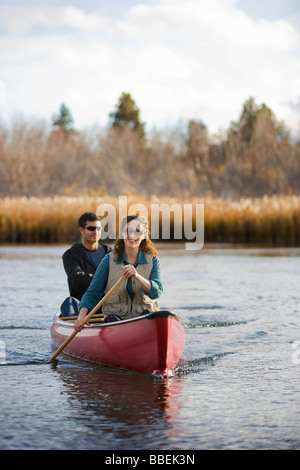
(126, 398)
(119, 410)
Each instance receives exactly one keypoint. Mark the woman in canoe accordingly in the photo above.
(135, 258)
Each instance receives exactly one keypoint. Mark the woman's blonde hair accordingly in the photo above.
(146, 244)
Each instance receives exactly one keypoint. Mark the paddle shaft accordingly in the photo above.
(99, 304)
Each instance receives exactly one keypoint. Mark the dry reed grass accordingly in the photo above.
(267, 221)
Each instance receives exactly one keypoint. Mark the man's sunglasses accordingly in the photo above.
(91, 228)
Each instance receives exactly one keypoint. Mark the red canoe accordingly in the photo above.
(149, 344)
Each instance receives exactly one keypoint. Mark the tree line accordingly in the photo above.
(255, 156)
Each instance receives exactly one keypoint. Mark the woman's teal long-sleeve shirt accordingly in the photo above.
(96, 289)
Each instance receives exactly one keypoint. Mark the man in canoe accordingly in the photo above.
(82, 259)
(135, 258)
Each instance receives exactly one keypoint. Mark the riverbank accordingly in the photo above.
(273, 221)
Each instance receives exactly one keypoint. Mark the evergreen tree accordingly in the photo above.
(127, 114)
(63, 120)
(248, 119)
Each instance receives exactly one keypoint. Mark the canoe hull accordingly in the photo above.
(152, 344)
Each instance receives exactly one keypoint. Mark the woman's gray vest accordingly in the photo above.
(119, 301)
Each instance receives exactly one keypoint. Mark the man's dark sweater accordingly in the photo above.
(80, 265)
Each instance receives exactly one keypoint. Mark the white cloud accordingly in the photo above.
(84, 22)
(19, 20)
(193, 59)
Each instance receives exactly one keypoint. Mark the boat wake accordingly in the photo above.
(192, 366)
(212, 324)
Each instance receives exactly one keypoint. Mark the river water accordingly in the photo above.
(236, 387)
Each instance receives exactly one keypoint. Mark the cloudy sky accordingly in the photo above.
(179, 59)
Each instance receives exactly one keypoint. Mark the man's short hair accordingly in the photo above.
(87, 216)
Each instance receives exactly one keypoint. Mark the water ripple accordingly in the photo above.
(213, 324)
(21, 327)
(196, 365)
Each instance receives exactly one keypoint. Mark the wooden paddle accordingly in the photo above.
(59, 350)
